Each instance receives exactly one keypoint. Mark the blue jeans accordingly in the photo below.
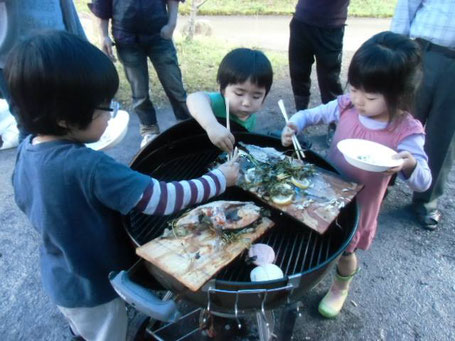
(5, 93)
(163, 56)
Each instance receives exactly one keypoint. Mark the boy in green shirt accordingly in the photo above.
(245, 77)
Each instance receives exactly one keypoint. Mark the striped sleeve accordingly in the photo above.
(163, 198)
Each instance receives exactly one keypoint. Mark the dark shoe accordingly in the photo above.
(428, 219)
(301, 102)
(330, 132)
(431, 219)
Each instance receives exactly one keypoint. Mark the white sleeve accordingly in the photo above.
(420, 179)
(324, 113)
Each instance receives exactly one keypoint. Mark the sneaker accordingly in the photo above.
(149, 133)
(147, 138)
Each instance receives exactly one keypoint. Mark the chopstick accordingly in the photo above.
(235, 154)
(228, 123)
(295, 141)
(286, 119)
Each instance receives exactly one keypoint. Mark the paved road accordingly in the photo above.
(271, 32)
(405, 291)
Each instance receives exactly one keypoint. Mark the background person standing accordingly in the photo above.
(144, 29)
(317, 31)
(21, 18)
(431, 23)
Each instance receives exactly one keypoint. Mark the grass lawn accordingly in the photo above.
(200, 58)
(199, 62)
(363, 8)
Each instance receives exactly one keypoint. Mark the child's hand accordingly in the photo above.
(221, 137)
(230, 170)
(408, 165)
(286, 135)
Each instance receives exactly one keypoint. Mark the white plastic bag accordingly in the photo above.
(8, 127)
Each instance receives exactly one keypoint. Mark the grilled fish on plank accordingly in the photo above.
(222, 215)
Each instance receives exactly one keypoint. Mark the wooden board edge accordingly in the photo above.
(265, 221)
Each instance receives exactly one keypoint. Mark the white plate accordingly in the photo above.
(115, 132)
(368, 155)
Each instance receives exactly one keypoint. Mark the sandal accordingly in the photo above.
(431, 219)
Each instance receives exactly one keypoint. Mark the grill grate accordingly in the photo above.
(298, 249)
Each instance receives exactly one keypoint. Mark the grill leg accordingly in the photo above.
(287, 322)
(266, 324)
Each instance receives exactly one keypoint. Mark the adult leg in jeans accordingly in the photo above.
(435, 107)
(134, 61)
(6, 95)
(164, 59)
(300, 61)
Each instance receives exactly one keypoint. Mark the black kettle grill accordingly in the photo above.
(184, 152)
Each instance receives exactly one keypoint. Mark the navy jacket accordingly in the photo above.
(133, 21)
(322, 13)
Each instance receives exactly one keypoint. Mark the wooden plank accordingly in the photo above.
(320, 204)
(196, 258)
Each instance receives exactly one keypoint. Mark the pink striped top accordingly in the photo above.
(163, 198)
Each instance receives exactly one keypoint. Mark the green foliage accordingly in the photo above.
(372, 8)
(81, 5)
(362, 8)
(245, 7)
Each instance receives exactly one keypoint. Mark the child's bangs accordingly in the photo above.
(244, 64)
(372, 76)
(256, 74)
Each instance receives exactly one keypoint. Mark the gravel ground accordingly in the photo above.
(405, 290)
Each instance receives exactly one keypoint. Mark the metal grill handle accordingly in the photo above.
(211, 290)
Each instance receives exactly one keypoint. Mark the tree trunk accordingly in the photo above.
(195, 5)
(192, 20)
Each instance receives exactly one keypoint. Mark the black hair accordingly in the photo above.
(56, 76)
(390, 64)
(242, 64)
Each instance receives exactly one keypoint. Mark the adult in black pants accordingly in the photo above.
(317, 31)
